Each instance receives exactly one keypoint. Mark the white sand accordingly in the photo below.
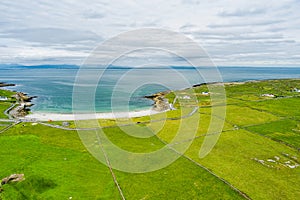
(68, 117)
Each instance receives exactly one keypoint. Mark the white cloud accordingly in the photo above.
(234, 32)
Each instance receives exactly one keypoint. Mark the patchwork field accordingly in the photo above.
(256, 156)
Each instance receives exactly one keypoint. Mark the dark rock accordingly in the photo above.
(6, 84)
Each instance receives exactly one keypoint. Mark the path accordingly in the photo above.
(6, 112)
(110, 168)
(7, 120)
(209, 171)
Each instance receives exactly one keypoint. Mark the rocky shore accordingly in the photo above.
(23, 102)
(6, 84)
(160, 102)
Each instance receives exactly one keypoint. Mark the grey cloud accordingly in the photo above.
(2, 23)
(191, 2)
(187, 27)
(254, 52)
(51, 35)
(248, 23)
(276, 29)
(242, 12)
(225, 36)
(146, 24)
(84, 47)
(238, 37)
(281, 41)
(92, 14)
(241, 27)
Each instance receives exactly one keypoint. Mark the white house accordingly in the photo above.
(296, 90)
(186, 97)
(268, 95)
(171, 106)
(3, 98)
(205, 93)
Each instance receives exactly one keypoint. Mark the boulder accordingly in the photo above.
(12, 178)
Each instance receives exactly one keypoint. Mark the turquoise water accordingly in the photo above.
(54, 84)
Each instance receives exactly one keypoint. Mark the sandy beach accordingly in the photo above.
(82, 116)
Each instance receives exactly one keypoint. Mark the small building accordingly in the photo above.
(66, 124)
(296, 90)
(268, 95)
(186, 97)
(3, 98)
(171, 106)
(205, 93)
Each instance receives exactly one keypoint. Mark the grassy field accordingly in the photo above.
(5, 104)
(3, 107)
(57, 166)
(257, 152)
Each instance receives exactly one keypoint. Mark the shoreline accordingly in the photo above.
(159, 106)
(88, 116)
(20, 110)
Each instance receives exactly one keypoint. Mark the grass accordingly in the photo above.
(3, 107)
(65, 172)
(242, 116)
(66, 169)
(284, 107)
(256, 130)
(175, 182)
(5, 104)
(232, 159)
(6, 93)
(285, 130)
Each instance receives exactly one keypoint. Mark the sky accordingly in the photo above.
(232, 32)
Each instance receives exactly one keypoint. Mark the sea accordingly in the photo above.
(121, 88)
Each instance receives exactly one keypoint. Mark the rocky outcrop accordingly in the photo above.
(24, 102)
(11, 178)
(6, 84)
(22, 97)
(160, 103)
(19, 111)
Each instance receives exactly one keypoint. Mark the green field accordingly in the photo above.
(256, 157)
(5, 104)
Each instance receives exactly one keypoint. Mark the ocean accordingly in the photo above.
(53, 84)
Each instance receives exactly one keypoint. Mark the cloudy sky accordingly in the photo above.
(233, 32)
